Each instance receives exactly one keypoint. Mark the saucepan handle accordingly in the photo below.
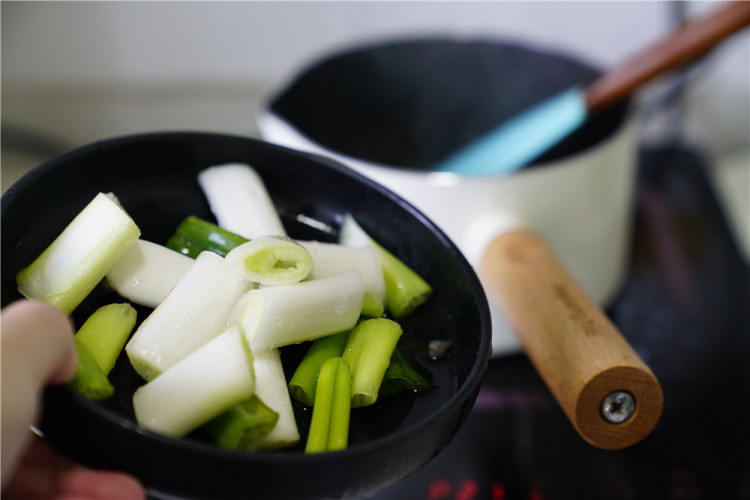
(609, 394)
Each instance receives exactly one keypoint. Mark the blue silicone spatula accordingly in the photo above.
(526, 136)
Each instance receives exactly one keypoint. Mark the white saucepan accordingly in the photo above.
(549, 242)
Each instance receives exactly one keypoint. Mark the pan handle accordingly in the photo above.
(608, 393)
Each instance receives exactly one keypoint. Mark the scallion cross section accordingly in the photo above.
(271, 260)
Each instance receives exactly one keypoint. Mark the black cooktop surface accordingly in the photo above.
(685, 308)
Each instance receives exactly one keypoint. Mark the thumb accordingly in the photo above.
(38, 339)
(37, 349)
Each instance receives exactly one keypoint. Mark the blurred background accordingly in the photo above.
(76, 72)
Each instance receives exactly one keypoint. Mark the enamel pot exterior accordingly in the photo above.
(391, 109)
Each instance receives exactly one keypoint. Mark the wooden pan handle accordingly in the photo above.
(587, 364)
(686, 44)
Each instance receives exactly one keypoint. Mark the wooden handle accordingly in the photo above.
(578, 352)
(686, 44)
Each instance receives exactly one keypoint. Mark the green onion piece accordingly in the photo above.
(240, 427)
(77, 260)
(305, 377)
(199, 388)
(194, 312)
(275, 316)
(271, 388)
(400, 377)
(373, 306)
(405, 290)
(368, 351)
(332, 258)
(195, 235)
(329, 426)
(105, 333)
(239, 200)
(89, 380)
(271, 260)
(148, 272)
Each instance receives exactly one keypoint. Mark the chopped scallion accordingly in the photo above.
(240, 427)
(275, 316)
(77, 260)
(105, 333)
(194, 312)
(195, 235)
(271, 388)
(238, 199)
(332, 258)
(401, 377)
(271, 260)
(147, 273)
(405, 290)
(200, 387)
(305, 377)
(89, 380)
(368, 351)
(329, 426)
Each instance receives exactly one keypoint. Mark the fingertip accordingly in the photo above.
(43, 334)
(67, 368)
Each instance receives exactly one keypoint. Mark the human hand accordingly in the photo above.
(37, 350)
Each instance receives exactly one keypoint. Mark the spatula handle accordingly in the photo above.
(587, 364)
(686, 44)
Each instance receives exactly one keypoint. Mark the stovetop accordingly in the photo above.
(685, 308)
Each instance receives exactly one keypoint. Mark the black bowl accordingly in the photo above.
(154, 176)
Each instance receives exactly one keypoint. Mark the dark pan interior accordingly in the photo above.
(411, 102)
(153, 175)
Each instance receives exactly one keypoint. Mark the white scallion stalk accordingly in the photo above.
(79, 258)
(329, 259)
(271, 260)
(405, 290)
(271, 388)
(194, 312)
(276, 316)
(239, 200)
(148, 272)
(352, 234)
(203, 385)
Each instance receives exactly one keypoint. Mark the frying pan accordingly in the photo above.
(154, 176)
(549, 242)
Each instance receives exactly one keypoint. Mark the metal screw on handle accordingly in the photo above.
(617, 407)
